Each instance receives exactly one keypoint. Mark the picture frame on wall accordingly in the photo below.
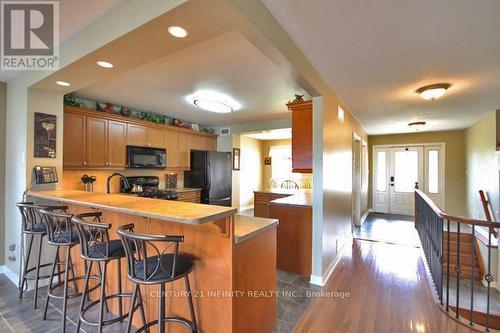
(45, 135)
(236, 158)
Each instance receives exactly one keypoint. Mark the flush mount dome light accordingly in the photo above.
(417, 125)
(63, 83)
(178, 32)
(105, 64)
(433, 91)
(213, 101)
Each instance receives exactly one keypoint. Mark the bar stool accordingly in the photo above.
(61, 233)
(33, 225)
(96, 247)
(158, 269)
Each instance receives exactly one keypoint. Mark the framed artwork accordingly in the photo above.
(45, 135)
(236, 158)
(267, 160)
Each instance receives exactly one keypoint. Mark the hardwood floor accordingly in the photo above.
(388, 292)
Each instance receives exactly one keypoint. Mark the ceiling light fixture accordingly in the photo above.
(417, 125)
(213, 101)
(63, 83)
(178, 32)
(433, 91)
(105, 64)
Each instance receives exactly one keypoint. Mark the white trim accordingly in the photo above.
(321, 280)
(365, 215)
(13, 277)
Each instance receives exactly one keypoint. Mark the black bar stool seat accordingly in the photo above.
(159, 269)
(96, 247)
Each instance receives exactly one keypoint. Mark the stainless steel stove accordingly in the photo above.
(148, 187)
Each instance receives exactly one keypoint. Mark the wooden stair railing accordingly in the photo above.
(485, 200)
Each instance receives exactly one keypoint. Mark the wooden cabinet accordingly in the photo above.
(155, 137)
(144, 136)
(75, 130)
(117, 137)
(210, 143)
(98, 140)
(301, 136)
(97, 155)
(190, 196)
(137, 135)
(184, 150)
(262, 203)
(197, 142)
(172, 147)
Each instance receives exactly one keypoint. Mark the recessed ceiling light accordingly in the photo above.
(433, 91)
(177, 31)
(213, 101)
(63, 83)
(417, 125)
(105, 64)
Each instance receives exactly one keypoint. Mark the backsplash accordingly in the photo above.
(71, 178)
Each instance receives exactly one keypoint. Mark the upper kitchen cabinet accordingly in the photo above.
(210, 143)
(75, 130)
(116, 144)
(184, 146)
(197, 142)
(172, 146)
(97, 136)
(138, 135)
(301, 136)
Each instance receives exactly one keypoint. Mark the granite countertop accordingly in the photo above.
(246, 227)
(174, 211)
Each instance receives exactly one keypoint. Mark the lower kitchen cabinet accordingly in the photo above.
(190, 196)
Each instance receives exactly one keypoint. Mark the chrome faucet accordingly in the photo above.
(126, 184)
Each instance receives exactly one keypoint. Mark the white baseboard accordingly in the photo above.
(321, 280)
(365, 215)
(13, 277)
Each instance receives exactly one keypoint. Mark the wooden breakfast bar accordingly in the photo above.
(234, 279)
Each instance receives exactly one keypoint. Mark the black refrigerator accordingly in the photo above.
(212, 172)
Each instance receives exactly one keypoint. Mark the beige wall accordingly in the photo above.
(454, 162)
(250, 169)
(3, 112)
(43, 101)
(482, 169)
(266, 172)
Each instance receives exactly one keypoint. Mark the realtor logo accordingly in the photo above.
(30, 35)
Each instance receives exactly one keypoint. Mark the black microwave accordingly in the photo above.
(146, 158)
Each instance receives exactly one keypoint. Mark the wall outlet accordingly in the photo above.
(12, 247)
(12, 258)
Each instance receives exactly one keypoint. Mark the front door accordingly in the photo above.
(397, 171)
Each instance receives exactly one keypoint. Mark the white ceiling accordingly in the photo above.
(375, 54)
(228, 64)
(276, 134)
(74, 15)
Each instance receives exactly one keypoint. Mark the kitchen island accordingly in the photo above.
(293, 209)
(235, 257)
